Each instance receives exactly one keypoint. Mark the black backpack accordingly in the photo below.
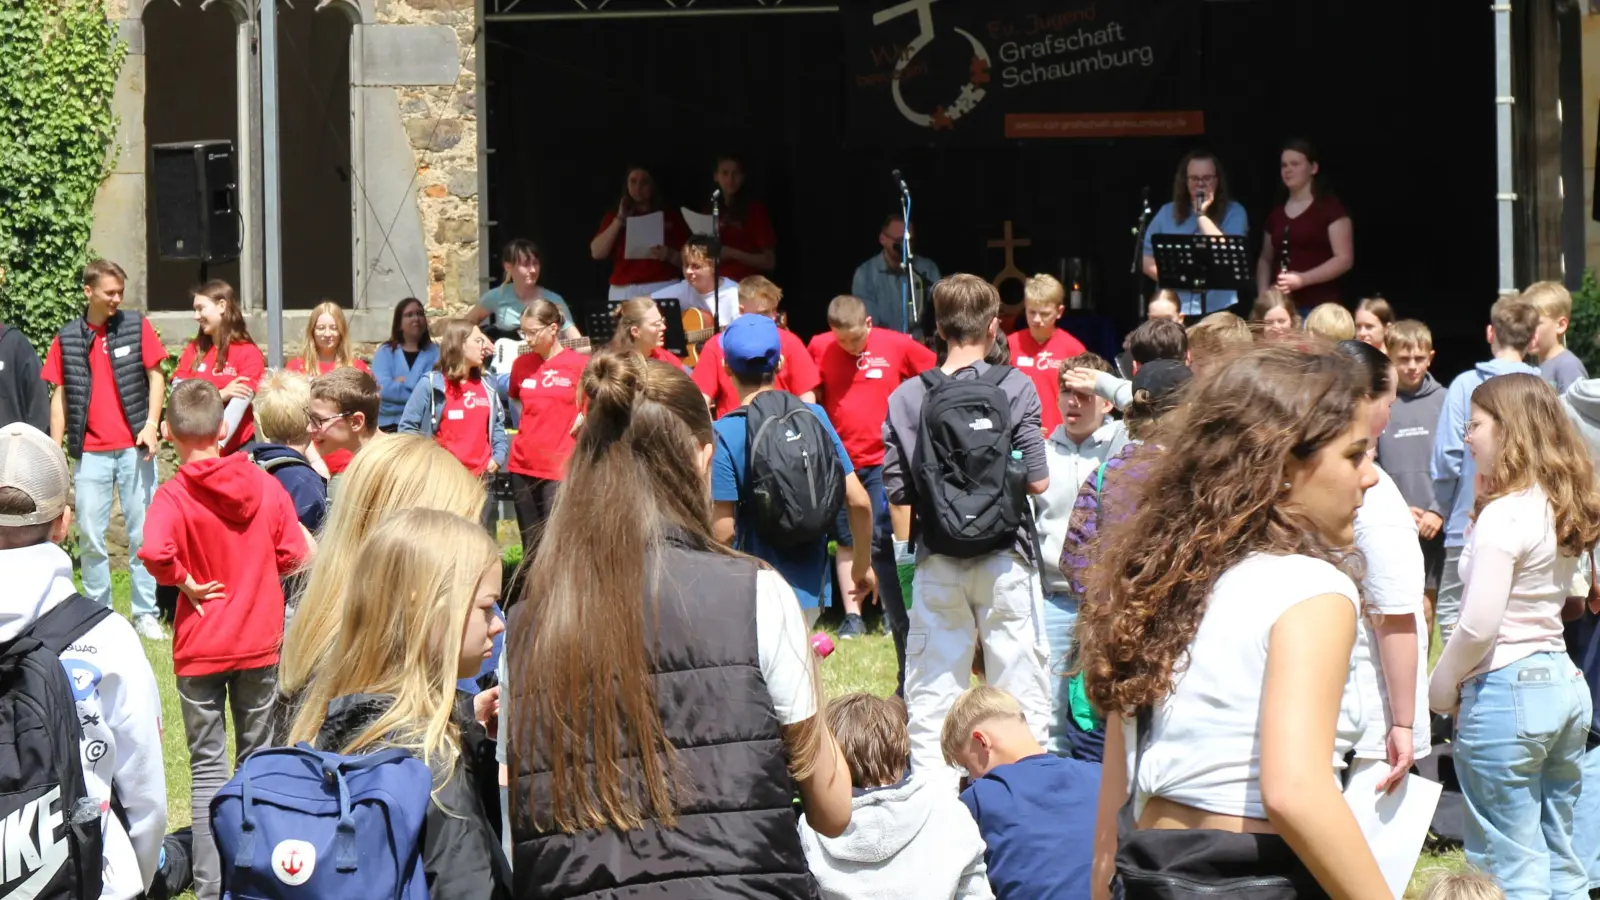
(42, 787)
(970, 492)
(796, 477)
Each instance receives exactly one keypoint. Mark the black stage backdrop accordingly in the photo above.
(1403, 116)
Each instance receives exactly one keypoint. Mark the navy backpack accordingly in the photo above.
(303, 823)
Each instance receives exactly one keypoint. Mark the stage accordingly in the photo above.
(1397, 96)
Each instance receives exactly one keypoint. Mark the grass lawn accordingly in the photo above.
(863, 664)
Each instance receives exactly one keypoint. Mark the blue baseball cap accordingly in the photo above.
(751, 345)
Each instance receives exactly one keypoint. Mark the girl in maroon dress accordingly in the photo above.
(1308, 244)
(748, 242)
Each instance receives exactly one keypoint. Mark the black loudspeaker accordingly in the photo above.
(196, 201)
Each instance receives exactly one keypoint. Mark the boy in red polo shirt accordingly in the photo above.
(1039, 350)
(797, 374)
(860, 366)
(223, 532)
(107, 403)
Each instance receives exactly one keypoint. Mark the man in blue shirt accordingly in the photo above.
(752, 353)
(880, 281)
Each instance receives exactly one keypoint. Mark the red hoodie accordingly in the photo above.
(224, 520)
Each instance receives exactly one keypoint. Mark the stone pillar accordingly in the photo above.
(418, 96)
(1591, 125)
(118, 232)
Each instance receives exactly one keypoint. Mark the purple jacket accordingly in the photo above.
(1098, 499)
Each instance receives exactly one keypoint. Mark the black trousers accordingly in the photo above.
(533, 498)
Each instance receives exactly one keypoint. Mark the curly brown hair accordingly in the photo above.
(1200, 507)
(1540, 445)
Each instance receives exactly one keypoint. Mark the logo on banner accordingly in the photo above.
(972, 93)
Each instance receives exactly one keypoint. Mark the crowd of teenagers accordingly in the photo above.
(1196, 584)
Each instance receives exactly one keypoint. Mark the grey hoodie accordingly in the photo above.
(1406, 446)
(1582, 403)
(913, 840)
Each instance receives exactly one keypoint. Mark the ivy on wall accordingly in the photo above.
(1583, 331)
(58, 68)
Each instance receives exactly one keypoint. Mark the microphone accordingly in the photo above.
(899, 181)
(716, 195)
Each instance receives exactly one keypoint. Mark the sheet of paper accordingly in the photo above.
(644, 232)
(1396, 824)
(699, 223)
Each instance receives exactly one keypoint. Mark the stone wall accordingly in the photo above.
(441, 123)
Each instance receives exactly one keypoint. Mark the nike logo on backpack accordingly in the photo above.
(29, 851)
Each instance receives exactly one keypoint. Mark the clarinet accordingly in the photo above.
(1283, 257)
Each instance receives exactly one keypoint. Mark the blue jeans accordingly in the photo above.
(1060, 621)
(1519, 750)
(1586, 819)
(133, 478)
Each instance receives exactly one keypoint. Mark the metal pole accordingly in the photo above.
(271, 174)
(1505, 186)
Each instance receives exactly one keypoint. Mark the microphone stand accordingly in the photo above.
(716, 261)
(1137, 268)
(911, 304)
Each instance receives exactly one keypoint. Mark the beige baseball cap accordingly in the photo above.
(35, 465)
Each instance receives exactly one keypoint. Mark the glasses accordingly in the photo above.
(1202, 179)
(528, 335)
(315, 422)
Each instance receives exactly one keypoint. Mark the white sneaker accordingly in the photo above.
(149, 628)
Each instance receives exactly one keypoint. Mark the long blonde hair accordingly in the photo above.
(401, 632)
(343, 355)
(634, 478)
(1540, 445)
(398, 472)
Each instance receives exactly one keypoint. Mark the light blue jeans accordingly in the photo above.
(1519, 751)
(133, 479)
(1586, 819)
(1060, 622)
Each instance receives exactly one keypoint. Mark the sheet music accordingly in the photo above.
(643, 232)
(1393, 824)
(698, 223)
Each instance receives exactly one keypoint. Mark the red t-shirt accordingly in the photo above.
(107, 428)
(548, 390)
(298, 364)
(662, 354)
(1309, 245)
(245, 361)
(753, 235)
(645, 271)
(856, 389)
(797, 374)
(464, 423)
(1042, 363)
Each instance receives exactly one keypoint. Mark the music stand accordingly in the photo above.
(1201, 263)
(601, 327)
(671, 311)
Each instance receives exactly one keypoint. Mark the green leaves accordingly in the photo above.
(1583, 329)
(58, 69)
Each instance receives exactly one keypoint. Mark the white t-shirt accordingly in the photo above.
(1204, 747)
(783, 651)
(688, 298)
(1386, 535)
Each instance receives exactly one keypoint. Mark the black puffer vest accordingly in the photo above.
(737, 835)
(124, 331)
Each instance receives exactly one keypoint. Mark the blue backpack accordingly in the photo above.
(297, 822)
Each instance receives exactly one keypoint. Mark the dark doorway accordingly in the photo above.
(314, 142)
(191, 94)
(1405, 123)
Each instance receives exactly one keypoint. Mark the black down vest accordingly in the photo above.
(124, 331)
(737, 835)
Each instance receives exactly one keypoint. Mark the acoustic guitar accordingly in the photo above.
(697, 329)
(506, 351)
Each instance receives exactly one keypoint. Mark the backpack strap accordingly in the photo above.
(272, 465)
(69, 620)
(995, 375)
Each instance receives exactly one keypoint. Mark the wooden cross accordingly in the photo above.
(1010, 272)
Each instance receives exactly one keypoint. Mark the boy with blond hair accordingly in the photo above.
(1406, 445)
(1036, 811)
(1559, 366)
(909, 837)
(223, 532)
(1039, 349)
(280, 406)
